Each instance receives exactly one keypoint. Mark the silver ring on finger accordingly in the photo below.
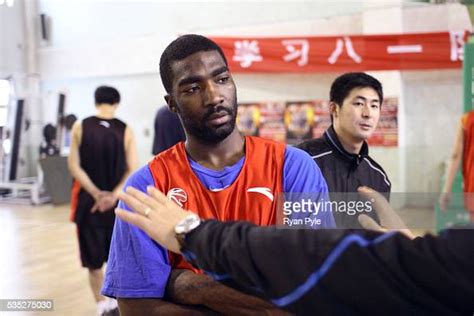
(147, 212)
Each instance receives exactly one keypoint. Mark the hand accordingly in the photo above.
(105, 200)
(163, 215)
(97, 195)
(388, 217)
(445, 200)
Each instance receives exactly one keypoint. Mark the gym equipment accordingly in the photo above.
(24, 190)
(53, 182)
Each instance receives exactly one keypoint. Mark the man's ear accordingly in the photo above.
(171, 104)
(333, 109)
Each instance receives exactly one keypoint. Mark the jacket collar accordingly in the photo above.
(331, 137)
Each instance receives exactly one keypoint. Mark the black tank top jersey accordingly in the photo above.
(102, 155)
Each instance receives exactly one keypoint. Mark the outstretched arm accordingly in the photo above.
(301, 270)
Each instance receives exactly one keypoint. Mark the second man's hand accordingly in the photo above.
(389, 219)
(154, 214)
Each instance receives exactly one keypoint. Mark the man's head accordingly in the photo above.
(200, 88)
(355, 101)
(106, 95)
(181, 48)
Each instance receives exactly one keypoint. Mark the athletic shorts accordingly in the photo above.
(94, 244)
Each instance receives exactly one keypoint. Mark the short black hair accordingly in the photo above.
(181, 48)
(107, 95)
(69, 121)
(49, 132)
(343, 85)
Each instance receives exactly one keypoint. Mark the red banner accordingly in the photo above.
(344, 53)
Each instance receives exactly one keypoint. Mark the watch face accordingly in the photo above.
(187, 224)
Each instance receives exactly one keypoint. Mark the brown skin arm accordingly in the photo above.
(152, 306)
(194, 294)
(187, 287)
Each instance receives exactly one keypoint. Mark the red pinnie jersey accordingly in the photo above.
(251, 197)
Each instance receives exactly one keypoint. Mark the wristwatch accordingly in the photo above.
(188, 224)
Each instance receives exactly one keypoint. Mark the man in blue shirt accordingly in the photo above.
(201, 91)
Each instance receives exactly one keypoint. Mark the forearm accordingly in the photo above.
(455, 160)
(118, 188)
(301, 270)
(131, 307)
(131, 160)
(74, 162)
(186, 287)
(86, 183)
(451, 173)
(273, 260)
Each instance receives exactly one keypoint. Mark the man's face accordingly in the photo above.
(204, 95)
(359, 114)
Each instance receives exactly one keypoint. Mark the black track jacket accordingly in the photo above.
(341, 272)
(345, 172)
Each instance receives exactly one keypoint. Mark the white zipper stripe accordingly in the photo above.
(381, 172)
(321, 155)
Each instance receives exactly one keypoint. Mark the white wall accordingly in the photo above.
(119, 43)
(12, 57)
(433, 107)
(73, 20)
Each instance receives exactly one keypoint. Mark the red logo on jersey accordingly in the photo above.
(178, 196)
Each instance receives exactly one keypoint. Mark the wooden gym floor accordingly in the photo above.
(40, 260)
